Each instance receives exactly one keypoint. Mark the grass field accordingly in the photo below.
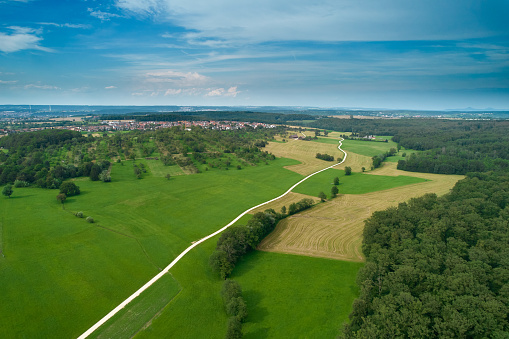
(287, 296)
(355, 183)
(368, 148)
(80, 271)
(295, 297)
(334, 229)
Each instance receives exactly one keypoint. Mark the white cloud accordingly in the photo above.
(172, 91)
(46, 87)
(233, 21)
(110, 87)
(137, 94)
(103, 16)
(142, 7)
(67, 25)
(20, 39)
(8, 81)
(179, 79)
(230, 92)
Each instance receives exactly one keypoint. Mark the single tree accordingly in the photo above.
(336, 181)
(334, 191)
(348, 170)
(69, 188)
(7, 191)
(322, 196)
(61, 198)
(168, 176)
(364, 169)
(283, 210)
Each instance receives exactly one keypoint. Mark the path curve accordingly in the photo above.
(194, 244)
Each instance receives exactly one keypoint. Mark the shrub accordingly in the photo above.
(79, 214)
(21, 183)
(90, 220)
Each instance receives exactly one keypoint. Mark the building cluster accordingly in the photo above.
(129, 125)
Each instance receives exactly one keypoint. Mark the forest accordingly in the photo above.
(449, 146)
(437, 267)
(46, 158)
(246, 116)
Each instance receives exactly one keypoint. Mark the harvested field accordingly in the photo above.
(334, 229)
(305, 152)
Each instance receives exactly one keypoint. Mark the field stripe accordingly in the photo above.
(181, 255)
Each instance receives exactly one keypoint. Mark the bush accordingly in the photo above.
(105, 176)
(79, 214)
(21, 183)
(90, 220)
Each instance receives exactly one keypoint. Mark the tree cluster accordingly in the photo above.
(437, 267)
(238, 240)
(235, 307)
(325, 157)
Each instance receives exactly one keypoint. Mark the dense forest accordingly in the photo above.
(449, 146)
(48, 157)
(438, 267)
(245, 116)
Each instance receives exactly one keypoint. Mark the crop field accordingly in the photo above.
(334, 229)
(305, 152)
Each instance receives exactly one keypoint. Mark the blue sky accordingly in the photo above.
(329, 53)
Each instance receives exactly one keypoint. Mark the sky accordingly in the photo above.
(399, 54)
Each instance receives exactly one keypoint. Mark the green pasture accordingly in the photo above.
(355, 183)
(368, 148)
(61, 274)
(142, 310)
(291, 296)
(287, 296)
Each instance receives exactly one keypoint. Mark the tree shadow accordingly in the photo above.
(17, 196)
(256, 313)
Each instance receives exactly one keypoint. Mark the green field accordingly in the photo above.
(292, 296)
(356, 183)
(80, 271)
(368, 148)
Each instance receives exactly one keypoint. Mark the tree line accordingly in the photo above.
(236, 241)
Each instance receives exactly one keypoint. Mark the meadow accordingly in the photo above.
(80, 271)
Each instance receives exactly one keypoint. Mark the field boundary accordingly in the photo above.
(193, 245)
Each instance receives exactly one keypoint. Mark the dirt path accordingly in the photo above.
(194, 244)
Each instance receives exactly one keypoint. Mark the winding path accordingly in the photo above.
(167, 268)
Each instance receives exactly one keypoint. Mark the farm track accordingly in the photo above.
(193, 245)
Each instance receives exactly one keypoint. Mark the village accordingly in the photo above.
(86, 126)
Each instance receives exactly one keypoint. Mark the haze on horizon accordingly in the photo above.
(326, 53)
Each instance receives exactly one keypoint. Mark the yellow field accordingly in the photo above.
(305, 152)
(334, 229)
